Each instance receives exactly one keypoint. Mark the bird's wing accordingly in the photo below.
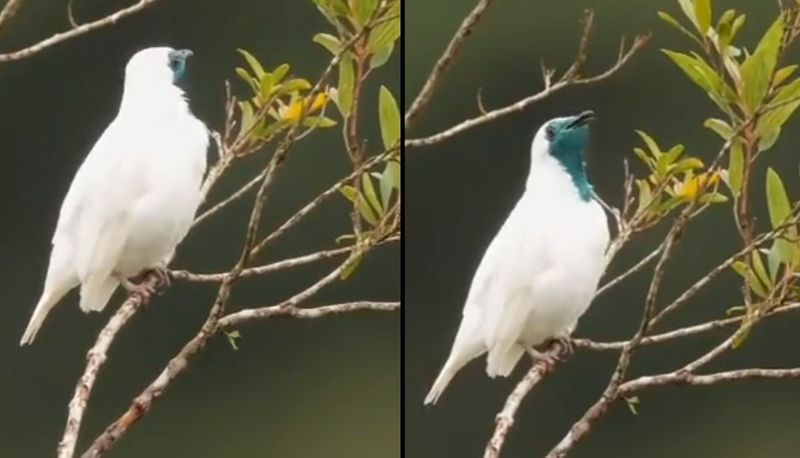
(503, 287)
(93, 217)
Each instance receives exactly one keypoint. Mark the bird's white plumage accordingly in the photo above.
(538, 275)
(134, 197)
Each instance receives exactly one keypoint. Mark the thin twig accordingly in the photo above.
(239, 318)
(265, 269)
(426, 93)
(308, 208)
(679, 333)
(94, 360)
(8, 11)
(178, 364)
(635, 268)
(72, 33)
(505, 419)
(520, 105)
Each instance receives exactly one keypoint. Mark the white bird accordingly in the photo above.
(134, 197)
(541, 270)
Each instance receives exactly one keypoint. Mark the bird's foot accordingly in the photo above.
(162, 274)
(144, 289)
(548, 359)
(565, 341)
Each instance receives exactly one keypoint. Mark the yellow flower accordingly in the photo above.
(294, 111)
(694, 185)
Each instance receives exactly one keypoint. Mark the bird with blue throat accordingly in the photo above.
(134, 197)
(540, 272)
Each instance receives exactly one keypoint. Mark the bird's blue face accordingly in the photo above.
(177, 63)
(568, 138)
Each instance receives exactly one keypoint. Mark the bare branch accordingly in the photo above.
(424, 96)
(679, 333)
(238, 318)
(520, 105)
(94, 360)
(686, 378)
(505, 419)
(72, 33)
(8, 11)
(308, 208)
(635, 268)
(265, 269)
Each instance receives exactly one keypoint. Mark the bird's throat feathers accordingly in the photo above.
(569, 150)
(560, 147)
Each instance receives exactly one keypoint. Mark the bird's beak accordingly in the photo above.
(185, 53)
(581, 119)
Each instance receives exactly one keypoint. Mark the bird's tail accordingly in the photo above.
(46, 302)
(468, 345)
(502, 359)
(451, 367)
(96, 291)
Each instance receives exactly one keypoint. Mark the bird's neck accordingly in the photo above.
(152, 101)
(550, 175)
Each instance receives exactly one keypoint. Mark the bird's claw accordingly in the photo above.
(144, 290)
(548, 359)
(162, 274)
(568, 347)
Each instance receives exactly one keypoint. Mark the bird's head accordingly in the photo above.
(157, 66)
(565, 139)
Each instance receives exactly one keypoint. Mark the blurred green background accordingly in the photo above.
(458, 193)
(328, 387)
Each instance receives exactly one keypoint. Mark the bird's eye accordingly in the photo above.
(174, 62)
(549, 133)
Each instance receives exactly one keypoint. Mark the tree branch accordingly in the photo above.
(570, 78)
(94, 360)
(10, 9)
(505, 419)
(426, 93)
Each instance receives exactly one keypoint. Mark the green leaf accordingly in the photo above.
(383, 34)
(783, 73)
(779, 109)
(757, 68)
(645, 195)
(651, 144)
(774, 259)
(705, 77)
(648, 161)
(322, 122)
(688, 9)
(352, 265)
(258, 70)
(246, 121)
(232, 336)
(292, 85)
(720, 127)
(389, 116)
(362, 10)
(372, 196)
(702, 14)
(387, 183)
(280, 73)
(758, 267)
(329, 42)
(736, 168)
(674, 22)
(346, 86)
(381, 55)
(690, 163)
(777, 200)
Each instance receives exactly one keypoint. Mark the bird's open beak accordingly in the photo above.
(581, 119)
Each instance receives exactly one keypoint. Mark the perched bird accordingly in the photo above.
(134, 197)
(541, 270)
